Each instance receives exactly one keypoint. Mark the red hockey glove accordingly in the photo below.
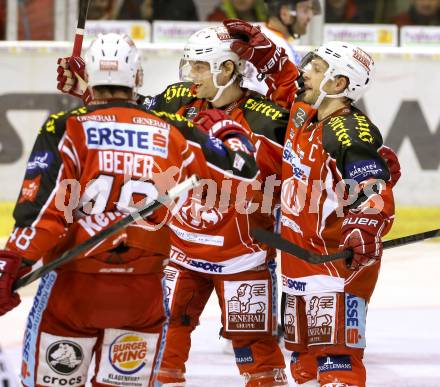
(219, 125)
(392, 162)
(255, 47)
(71, 77)
(361, 233)
(10, 270)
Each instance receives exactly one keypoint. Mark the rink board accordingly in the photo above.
(403, 103)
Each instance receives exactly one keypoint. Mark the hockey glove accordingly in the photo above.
(71, 77)
(392, 162)
(10, 271)
(219, 125)
(252, 45)
(361, 233)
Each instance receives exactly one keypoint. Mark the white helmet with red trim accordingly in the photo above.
(113, 60)
(211, 45)
(344, 59)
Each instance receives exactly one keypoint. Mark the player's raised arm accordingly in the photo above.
(271, 61)
(209, 141)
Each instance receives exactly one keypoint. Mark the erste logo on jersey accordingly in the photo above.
(143, 139)
(299, 171)
(128, 353)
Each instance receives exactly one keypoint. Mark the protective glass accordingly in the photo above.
(316, 6)
(306, 60)
(194, 71)
(306, 6)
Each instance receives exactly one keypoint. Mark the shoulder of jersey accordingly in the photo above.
(260, 113)
(174, 119)
(172, 98)
(350, 130)
(55, 123)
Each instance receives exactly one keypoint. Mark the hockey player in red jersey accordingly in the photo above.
(88, 168)
(336, 194)
(262, 118)
(330, 142)
(211, 249)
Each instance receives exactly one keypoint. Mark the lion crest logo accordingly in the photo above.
(314, 318)
(243, 300)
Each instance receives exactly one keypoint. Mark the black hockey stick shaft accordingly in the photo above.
(406, 240)
(80, 27)
(124, 222)
(277, 242)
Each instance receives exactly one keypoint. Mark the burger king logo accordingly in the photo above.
(128, 353)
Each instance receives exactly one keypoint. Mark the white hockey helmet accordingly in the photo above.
(113, 60)
(347, 60)
(211, 45)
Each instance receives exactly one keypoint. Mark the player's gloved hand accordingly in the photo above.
(219, 125)
(71, 77)
(255, 47)
(392, 162)
(10, 270)
(361, 233)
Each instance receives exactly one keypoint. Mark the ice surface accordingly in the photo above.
(403, 328)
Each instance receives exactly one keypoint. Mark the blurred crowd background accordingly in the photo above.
(35, 18)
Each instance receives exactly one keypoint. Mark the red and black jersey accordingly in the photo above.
(218, 240)
(91, 165)
(318, 160)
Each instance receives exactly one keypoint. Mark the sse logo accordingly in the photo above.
(128, 353)
(355, 316)
(299, 171)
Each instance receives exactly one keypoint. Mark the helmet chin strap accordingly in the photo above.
(221, 89)
(324, 94)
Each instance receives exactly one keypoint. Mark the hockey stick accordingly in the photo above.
(80, 27)
(124, 222)
(277, 242)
